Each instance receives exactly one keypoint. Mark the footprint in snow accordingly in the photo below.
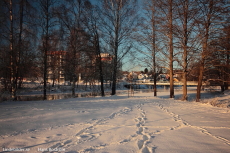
(145, 137)
(138, 125)
(140, 143)
(140, 130)
(145, 150)
(125, 141)
(67, 142)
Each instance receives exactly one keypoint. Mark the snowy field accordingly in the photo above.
(116, 124)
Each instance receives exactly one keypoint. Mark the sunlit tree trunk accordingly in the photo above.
(12, 55)
(154, 48)
(185, 53)
(19, 49)
(97, 45)
(171, 48)
(46, 25)
(204, 53)
(227, 47)
(118, 24)
(46, 49)
(115, 47)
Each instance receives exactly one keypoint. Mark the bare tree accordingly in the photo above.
(12, 49)
(12, 78)
(171, 59)
(77, 42)
(217, 65)
(166, 16)
(210, 11)
(147, 36)
(119, 21)
(226, 47)
(14, 33)
(158, 30)
(185, 46)
(91, 21)
(5, 44)
(185, 32)
(46, 22)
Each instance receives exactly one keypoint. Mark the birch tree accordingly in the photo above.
(148, 35)
(119, 22)
(91, 22)
(71, 16)
(171, 59)
(15, 35)
(46, 23)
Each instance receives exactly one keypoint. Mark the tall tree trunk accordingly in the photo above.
(202, 65)
(227, 70)
(185, 97)
(200, 78)
(19, 50)
(73, 47)
(76, 33)
(185, 44)
(45, 74)
(154, 74)
(101, 78)
(115, 47)
(12, 56)
(74, 63)
(100, 64)
(226, 84)
(171, 48)
(73, 85)
(119, 23)
(114, 81)
(204, 49)
(154, 49)
(46, 50)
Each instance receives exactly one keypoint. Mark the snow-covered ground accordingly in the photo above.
(116, 124)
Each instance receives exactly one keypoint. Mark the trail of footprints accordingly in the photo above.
(183, 123)
(141, 136)
(141, 130)
(82, 136)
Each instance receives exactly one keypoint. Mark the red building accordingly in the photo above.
(55, 70)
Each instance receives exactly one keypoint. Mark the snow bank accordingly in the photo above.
(222, 100)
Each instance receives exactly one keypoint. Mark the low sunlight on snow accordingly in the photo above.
(115, 124)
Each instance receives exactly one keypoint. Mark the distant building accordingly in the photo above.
(107, 65)
(55, 70)
(106, 57)
(141, 76)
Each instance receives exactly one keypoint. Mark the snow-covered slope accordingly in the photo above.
(115, 124)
